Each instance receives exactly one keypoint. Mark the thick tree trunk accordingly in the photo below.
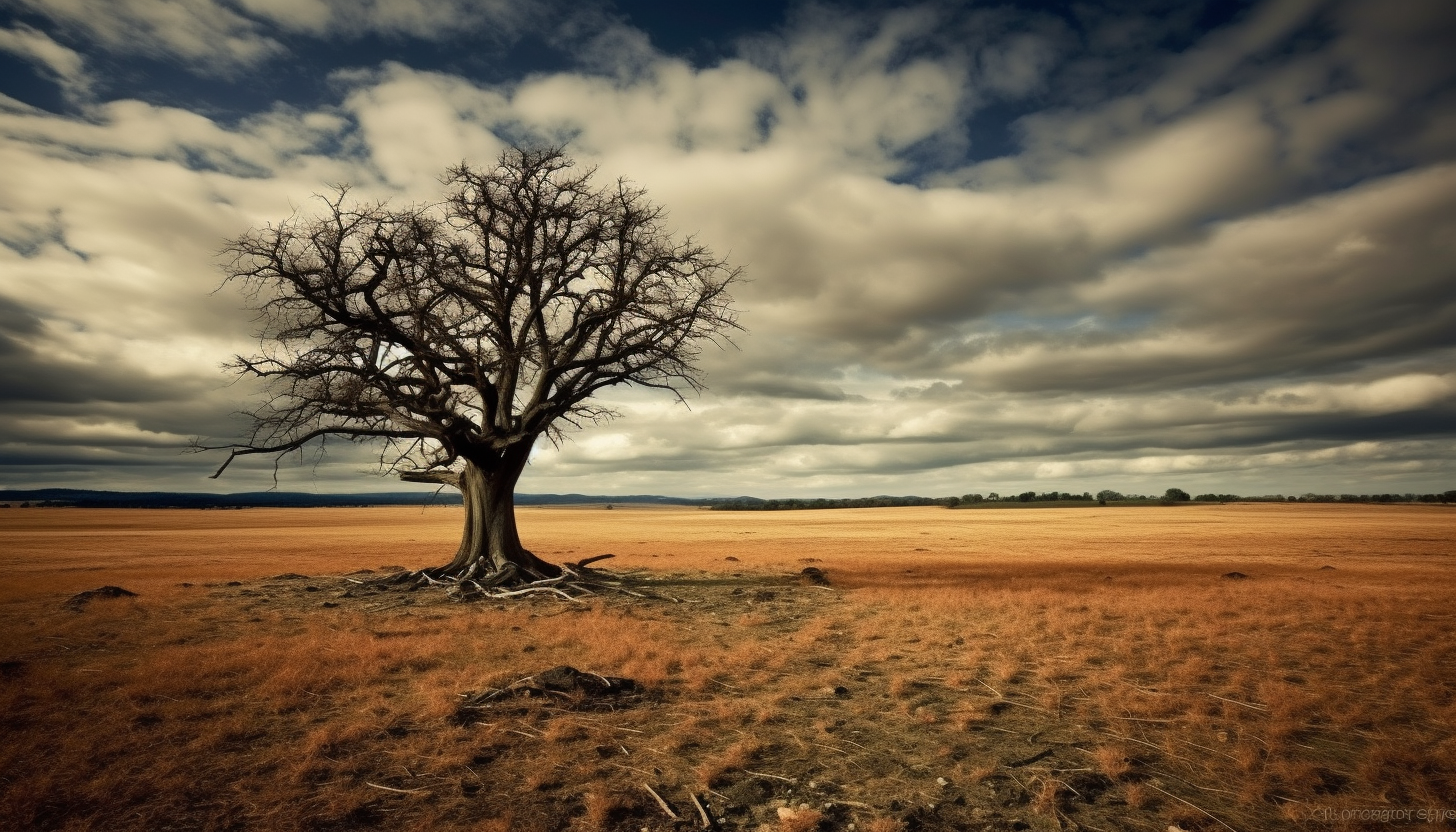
(490, 547)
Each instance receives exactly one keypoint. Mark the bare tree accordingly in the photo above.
(456, 334)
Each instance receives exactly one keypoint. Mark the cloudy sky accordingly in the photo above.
(989, 247)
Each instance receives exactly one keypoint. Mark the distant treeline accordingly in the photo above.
(756, 504)
(1105, 497)
(1443, 497)
(1178, 495)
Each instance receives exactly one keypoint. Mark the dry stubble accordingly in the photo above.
(1105, 633)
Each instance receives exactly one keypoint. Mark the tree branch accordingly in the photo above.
(477, 323)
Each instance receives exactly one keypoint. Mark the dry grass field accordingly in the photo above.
(1057, 669)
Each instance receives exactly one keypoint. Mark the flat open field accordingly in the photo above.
(1056, 669)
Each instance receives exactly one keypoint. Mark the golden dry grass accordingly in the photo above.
(968, 643)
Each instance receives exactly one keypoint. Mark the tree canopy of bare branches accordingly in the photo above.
(453, 335)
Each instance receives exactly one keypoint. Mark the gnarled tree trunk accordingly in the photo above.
(490, 550)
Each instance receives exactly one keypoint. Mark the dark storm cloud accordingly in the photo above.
(29, 376)
(63, 419)
(15, 322)
(1075, 246)
(780, 387)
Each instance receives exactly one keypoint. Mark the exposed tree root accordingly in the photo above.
(511, 581)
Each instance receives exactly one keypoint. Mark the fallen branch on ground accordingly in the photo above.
(702, 813)
(660, 802)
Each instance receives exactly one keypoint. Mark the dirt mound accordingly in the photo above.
(79, 601)
(815, 576)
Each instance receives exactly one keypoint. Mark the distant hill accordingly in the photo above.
(82, 498)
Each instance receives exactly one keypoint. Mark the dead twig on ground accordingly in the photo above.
(393, 789)
(770, 776)
(1193, 806)
(1249, 705)
(702, 812)
(1185, 781)
(660, 802)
